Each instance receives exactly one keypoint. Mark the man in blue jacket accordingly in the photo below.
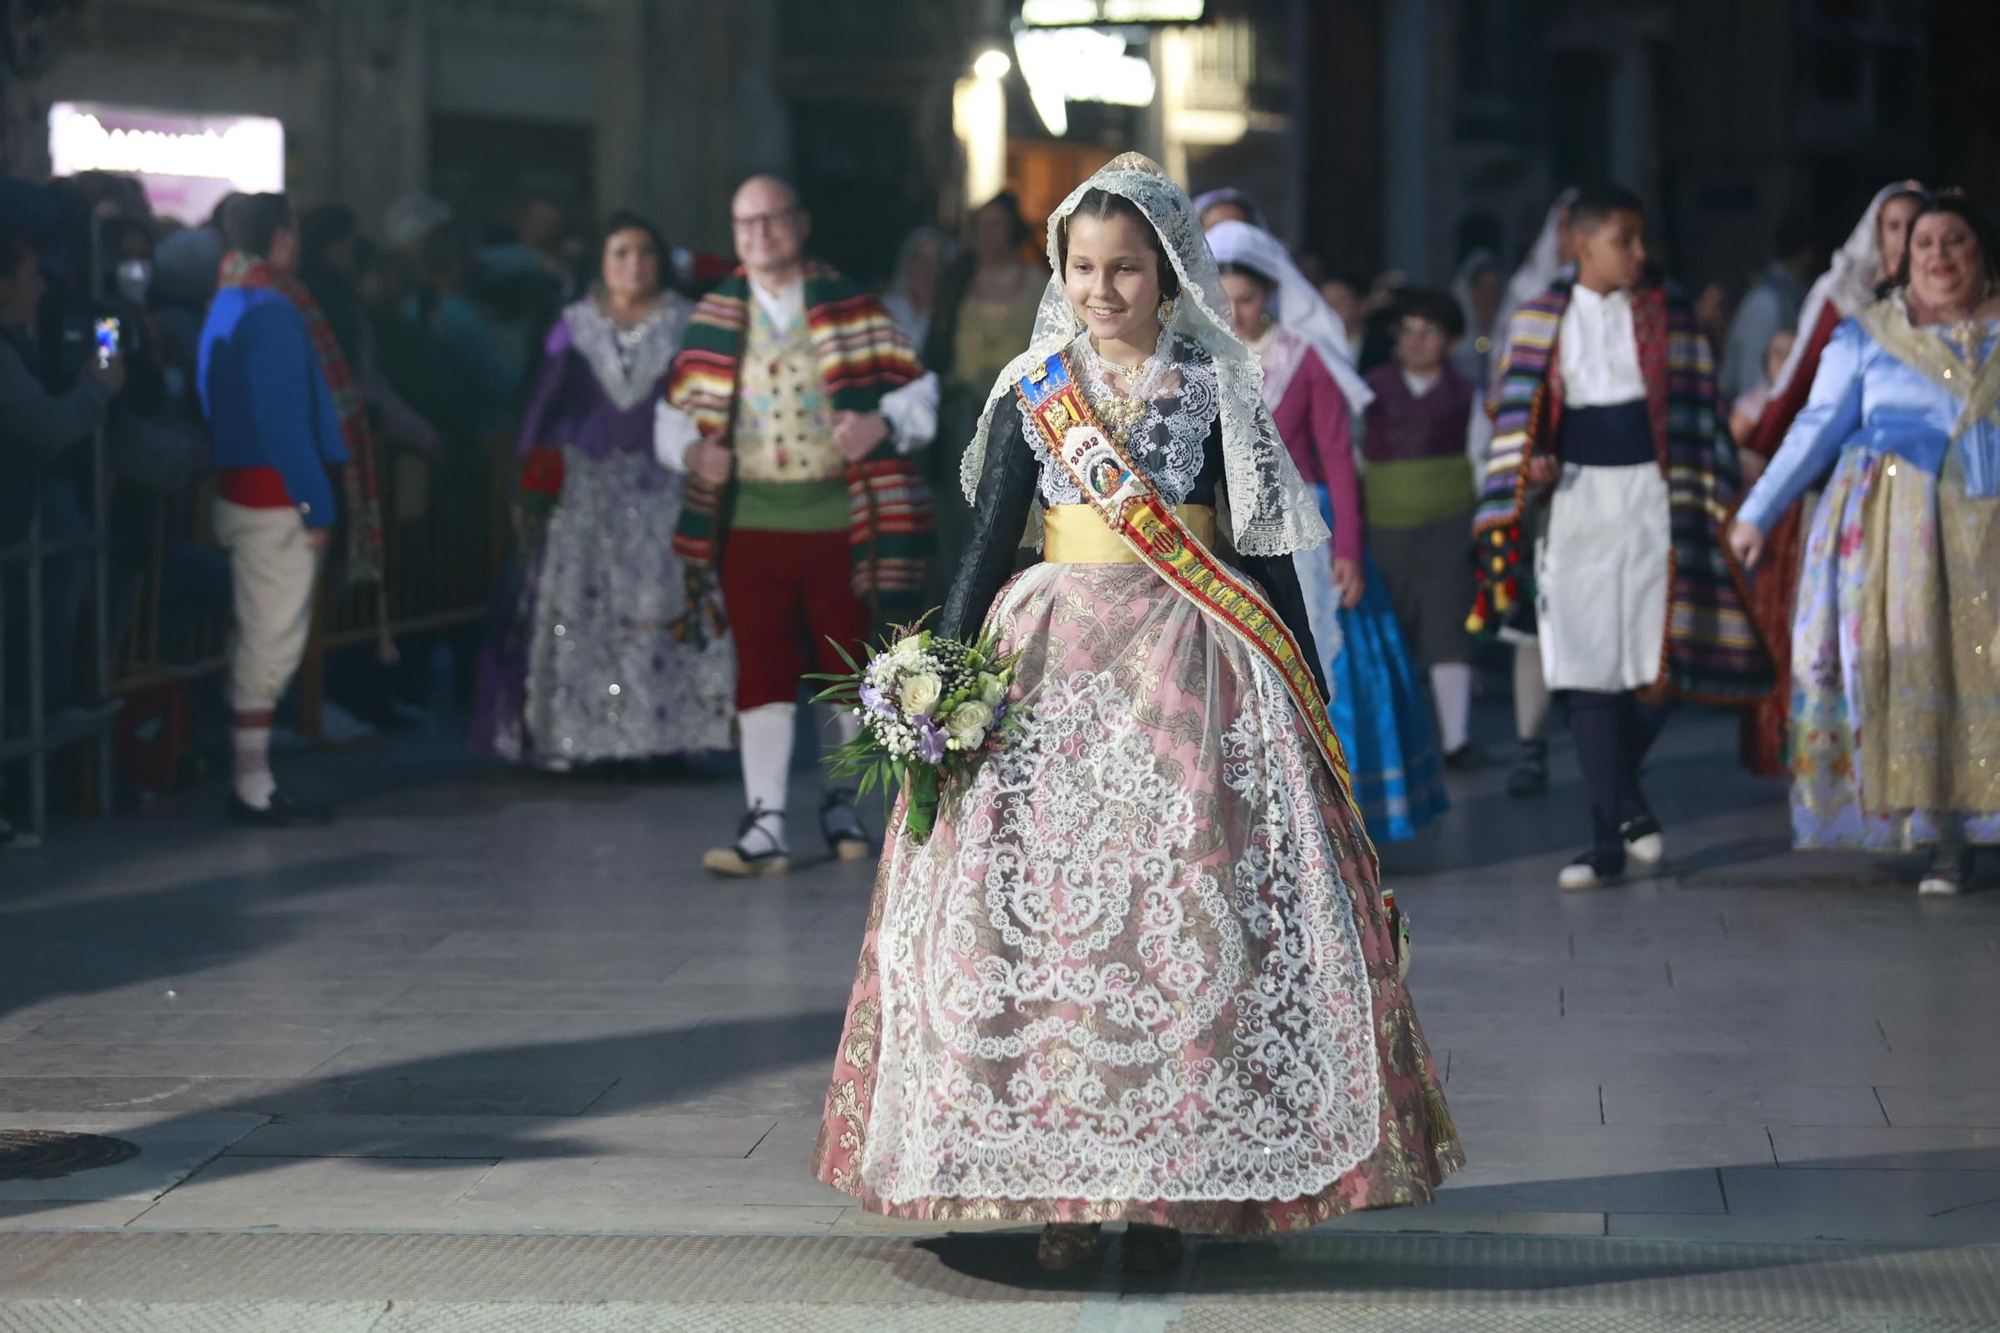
(276, 434)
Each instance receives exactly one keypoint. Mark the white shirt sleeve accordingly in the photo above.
(673, 432)
(912, 411)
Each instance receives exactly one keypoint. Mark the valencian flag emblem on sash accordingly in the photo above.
(1130, 505)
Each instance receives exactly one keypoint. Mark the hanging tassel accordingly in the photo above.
(1440, 1134)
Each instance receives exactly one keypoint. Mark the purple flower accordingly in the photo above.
(930, 739)
(875, 702)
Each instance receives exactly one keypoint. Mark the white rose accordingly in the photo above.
(968, 723)
(915, 643)
(920, 693)
(992, 690)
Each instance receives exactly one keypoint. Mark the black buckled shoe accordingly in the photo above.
(282, 812)
(846, 836)
(759, 848)
(1530, 774)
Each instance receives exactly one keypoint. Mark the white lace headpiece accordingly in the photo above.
(1269, 511)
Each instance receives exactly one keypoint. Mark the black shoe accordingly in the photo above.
(1596, 869)
(1466, 757)
(1643, 840)
(1530, 776)
(846, 836)
(759, 848)
(282, 812)
(17, 840)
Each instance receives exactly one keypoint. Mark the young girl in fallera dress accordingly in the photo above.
(1141, 969)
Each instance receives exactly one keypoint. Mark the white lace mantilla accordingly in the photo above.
(1085, 996)
(1169, 443)
(1267, 509)
(628, 361)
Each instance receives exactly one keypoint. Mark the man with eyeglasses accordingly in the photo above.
(793, 409)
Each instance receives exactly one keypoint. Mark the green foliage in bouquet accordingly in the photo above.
(930, 707)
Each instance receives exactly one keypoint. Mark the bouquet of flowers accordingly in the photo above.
(541, 486)
(929, 707)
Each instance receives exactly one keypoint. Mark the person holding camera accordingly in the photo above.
(37, 427)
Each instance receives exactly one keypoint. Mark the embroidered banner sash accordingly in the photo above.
(1113, 485)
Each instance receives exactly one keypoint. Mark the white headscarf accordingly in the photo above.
(1530, 280)
(1229, 194)
(1296, 303)
(1848, 285)
(896, 297)
(1269, 512)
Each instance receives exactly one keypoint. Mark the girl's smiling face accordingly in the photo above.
(1112, 278)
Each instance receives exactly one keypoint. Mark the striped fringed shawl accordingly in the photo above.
(1712, 652)
(863, 354)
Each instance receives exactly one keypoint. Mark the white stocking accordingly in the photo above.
(1451, 684)
(767, 755)
(1531, 693)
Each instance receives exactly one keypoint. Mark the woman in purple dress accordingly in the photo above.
(602, 648)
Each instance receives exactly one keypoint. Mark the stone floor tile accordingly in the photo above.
(170, 1148)
(435, 1088)
(117, 1094)
(181, 1025)
(1570, 1189)
(1786, 1104)
(231, 1059)
(635, 1191)
(509, 1137)
(1896, 1148)
(1453, 1221)
(1942, 1103)
(94, 1213)
(1947, 1205)
(317, 1192)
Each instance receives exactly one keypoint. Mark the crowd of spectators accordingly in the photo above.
(439, 328)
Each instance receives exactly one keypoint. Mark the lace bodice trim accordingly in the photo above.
(1169, 442)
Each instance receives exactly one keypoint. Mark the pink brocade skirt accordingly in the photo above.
(1140, 970)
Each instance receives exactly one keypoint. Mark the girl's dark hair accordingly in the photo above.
(251, 222)
(1104, 205)
(322, 228)
(1959, 206)
(1009, 203)
(1433, 307)
(625, 219)
(1256, 275)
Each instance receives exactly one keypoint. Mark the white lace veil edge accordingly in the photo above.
(1266, 509)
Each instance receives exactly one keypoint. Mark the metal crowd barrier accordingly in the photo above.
(35, 739)
(445, 533)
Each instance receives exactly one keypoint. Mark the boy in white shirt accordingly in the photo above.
(1608, 404)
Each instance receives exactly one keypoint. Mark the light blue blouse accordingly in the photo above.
(1864, 398)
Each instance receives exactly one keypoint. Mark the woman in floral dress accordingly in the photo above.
(1895, 723)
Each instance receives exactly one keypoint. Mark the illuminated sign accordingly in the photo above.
(187, 163)
(1064, 65)
(1074, 13)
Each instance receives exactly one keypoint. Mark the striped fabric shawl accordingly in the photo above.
(1712, 651)
(863, 355)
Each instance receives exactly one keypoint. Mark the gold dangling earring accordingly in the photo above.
(1166, 312)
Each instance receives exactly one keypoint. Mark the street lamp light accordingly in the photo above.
(992, 64)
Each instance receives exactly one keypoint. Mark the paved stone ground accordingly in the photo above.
(491, 1002)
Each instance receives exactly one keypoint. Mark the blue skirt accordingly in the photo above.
(1380, 707)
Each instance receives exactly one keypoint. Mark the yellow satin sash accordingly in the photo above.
(1078, 535)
